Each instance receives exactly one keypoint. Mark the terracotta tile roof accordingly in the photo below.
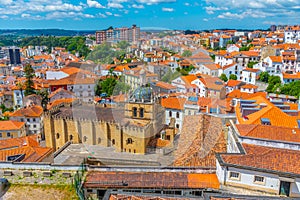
(60, 90)
(165, 85)
(212, 66)
(24, 145)
(29, 111)
(269, 132)
(251, 70)
(173, 103)
(70, 70)
(213, 83)
(233, 83)
(291, 76)
(228, 66)
(150, 180)
(58, 102)
(243, 95)
(201, 137)
(249, 86)
(266, 158)
(277, 117)
(11, 125)
(276, 59)
(250, 53)
(76, 78)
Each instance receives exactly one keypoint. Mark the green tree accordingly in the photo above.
(264, 77)
(170, 76)
(223, 77)
(121, 86)
(123, 45)
(213, 56)
(45, 97)
(232, 77)
(187, 53)
(29, 74)
(274, 84)
(251, 64)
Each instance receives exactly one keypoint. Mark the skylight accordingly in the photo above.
(265, 121)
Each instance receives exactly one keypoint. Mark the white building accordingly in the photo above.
(292, 34)
(249, 75)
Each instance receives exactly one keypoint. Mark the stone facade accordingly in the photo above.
(128, 130)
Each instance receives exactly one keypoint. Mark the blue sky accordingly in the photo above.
(171, 14)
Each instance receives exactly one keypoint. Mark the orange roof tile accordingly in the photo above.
(233, 83)
(173, 103)
(29, 111)
(249, 86)
(11, 125)
(267, 158)
(276, 59)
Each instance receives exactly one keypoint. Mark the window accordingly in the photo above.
(134, 112)
(265, 121)
(84, 138)
(177, 125)
(8, 134)
(71, 137)
(129, 141)
(141, 112)
(57, 135)
(177, 115)
(170, 113)
(113, 142)
(1, 135)
(234, 175)
(259, 179)
(28, 120)
(33, 119)
(34, 126)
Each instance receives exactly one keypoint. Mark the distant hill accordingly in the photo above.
(44, 32)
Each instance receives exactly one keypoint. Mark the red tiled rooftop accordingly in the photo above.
(150, 180)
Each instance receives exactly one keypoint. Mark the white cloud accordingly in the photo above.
(187, 4)
(167, 9)
(114, 5)
(101, 15)
(211, 10)
(117, 15)
(138, 6)
(108, 13)
(25, 15)
(206, 20)
(3, 17)
(94, 4)
(150, 2)
(185, 13)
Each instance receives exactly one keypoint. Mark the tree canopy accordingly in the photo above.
(187, 53)
(105, 54)
(223, 77)
(232, 77)
(29, 74)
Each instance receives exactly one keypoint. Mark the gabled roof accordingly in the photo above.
(74, 79)
(276, 59)
(264, 158)
(276, 116)
(11, 125)
(173, 103)
(249, 86)
(24, 145)
(60, 90)
(29, 111)
(233, 83)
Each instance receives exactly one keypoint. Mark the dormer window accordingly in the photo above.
(265, 121)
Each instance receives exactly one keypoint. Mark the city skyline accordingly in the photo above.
(151, 14)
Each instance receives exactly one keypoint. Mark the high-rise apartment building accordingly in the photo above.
(14, 56)
(118, 34)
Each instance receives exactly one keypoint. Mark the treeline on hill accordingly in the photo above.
(72, 44)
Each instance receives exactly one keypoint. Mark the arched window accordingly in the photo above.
(141, 112)
(177, 115)
(134, 110)
(134, 151)
(57, 135)
(71, 137)
(170, 113)
(84, 138)
(113, 142)
(129, 141)
(99, 140)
